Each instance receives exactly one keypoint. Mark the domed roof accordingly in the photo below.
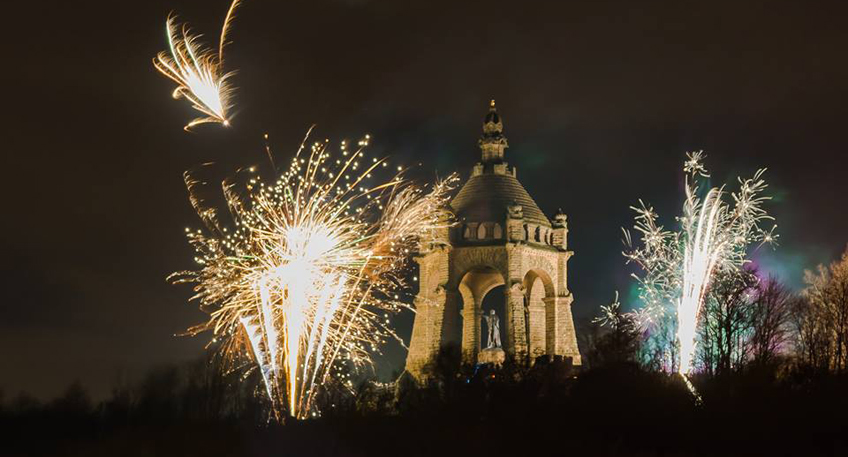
(486, 197)
(493, 187)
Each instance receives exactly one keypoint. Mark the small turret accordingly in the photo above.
(515, 222)
(560, 232)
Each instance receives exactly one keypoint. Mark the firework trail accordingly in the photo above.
(304, 281)
(198, 71)
(678, 267)
(611, 315)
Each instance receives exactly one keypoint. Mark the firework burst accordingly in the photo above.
(678, 267)
(303, 283)
(611, 314)
(198, 71)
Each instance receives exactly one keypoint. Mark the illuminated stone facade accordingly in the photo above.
(501, 238)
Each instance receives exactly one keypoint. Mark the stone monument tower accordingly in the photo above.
(501, 238)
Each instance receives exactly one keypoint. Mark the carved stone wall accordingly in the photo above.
(455, 280)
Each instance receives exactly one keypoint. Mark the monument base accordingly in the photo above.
(493, 356)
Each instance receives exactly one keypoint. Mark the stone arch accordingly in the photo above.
(473, 287)
(545, 279)
(539, 293)
(497, 231)
(466, 232)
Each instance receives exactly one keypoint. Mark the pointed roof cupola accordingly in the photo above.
(493, 142)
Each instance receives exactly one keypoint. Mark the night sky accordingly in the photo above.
(600, 101)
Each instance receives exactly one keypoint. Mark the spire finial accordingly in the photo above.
(493, 142)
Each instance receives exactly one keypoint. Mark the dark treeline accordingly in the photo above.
(770, 376)
(617, 407)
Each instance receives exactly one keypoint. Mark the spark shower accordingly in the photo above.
(301, 281)
(678, 267)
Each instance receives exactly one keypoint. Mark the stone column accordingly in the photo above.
(538, 342)
(516, 337)
(471, 315)
(426, 334)
(561, 339)
(431, 304)
(452, 321)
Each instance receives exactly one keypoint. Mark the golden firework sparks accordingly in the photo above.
(198, 71)
(305, 280)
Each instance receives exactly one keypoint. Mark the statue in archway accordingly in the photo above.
(494, 326)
